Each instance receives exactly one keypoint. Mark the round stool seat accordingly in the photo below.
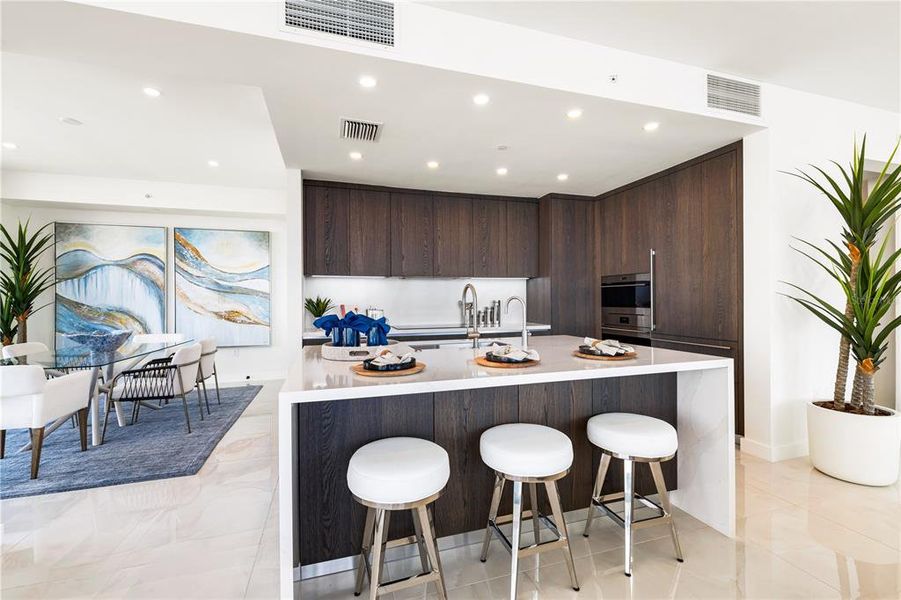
(525, 450)
(398, 470)
(628, 434)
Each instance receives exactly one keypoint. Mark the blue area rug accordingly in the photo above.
(158, 446)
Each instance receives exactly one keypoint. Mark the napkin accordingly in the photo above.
(514, 353)
(390, 358)
(608, 347)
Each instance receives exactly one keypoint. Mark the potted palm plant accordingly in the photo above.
(22, 280)
(857, 441)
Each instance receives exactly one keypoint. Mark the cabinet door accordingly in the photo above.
(489, 237)
(698, 259)
(522, 239)
(412, 235)
(453, 236)
(369, 237)
(638, 220)
(571, 263)
(610, 213)
(325, 231)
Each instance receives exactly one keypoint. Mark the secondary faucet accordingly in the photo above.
(525, 329)
(470, 315)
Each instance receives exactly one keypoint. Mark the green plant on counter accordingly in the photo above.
(22, 281)
(8, 325)
(318, 306)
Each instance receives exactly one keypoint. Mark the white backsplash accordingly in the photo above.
(414, 301)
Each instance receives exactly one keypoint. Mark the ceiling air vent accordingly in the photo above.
(730, 94)
(354, 129)
(368, 20)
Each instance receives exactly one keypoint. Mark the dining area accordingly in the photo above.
(46, 393)
(102, 355)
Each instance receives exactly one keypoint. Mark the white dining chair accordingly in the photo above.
(23, 349)
(28, 400)
(207, 369)
(160, 381)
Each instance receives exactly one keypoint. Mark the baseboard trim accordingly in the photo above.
(774, 453)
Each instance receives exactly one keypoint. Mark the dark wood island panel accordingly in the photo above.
(331, 522)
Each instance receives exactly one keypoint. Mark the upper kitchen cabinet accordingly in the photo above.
(453, 236)
(345, 230)
(369, 239)
(521, 238)
(698, 250)
(412, 234)
(325, 216)
(489, 236)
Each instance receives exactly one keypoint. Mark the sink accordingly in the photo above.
(452, 344)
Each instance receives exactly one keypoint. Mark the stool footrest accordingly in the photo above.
(405, 582)
(602, 502)
(534, 548)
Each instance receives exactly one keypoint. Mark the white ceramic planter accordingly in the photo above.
(861, 449)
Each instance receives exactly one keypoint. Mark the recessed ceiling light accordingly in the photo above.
(9, 146)
(432, 164)
(562, 177)
(355, 155)
(70, 121)
(481, 99)
(367, 81)
(501, 171)
(213, 163)
(152, 92)
(651, 126)
(574, 113)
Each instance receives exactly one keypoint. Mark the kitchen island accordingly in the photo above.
(326, 412)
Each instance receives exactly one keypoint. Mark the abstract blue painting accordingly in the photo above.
(109, 277)
(222, 286)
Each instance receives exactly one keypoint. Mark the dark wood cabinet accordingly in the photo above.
(354, 229)
(369, 238)
(691, 215)
(325, 231)
(521, 237)
(490, 238)
(563, 294)
(412, 234)
(452, 235)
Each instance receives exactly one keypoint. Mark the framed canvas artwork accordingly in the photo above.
(222, 285)
(109, 277)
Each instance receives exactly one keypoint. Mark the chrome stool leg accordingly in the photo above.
(557, 510)
(657, 473)
(557, 525)
(628, 497)
(365, 548)
(598, 488)
(492, 514)
(628, 507)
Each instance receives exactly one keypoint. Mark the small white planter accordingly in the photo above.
(862, 449)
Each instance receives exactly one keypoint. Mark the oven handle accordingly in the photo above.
(652, 256)
(637, 284)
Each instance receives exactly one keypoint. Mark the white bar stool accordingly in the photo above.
(633, 438)
(400, 473)
(532, 454)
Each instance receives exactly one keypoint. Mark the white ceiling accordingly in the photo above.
(217, 87)
(130, 135)
(844, 49)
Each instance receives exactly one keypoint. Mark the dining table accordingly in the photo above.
(102, 364)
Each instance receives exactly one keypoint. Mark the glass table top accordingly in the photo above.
(84, 358)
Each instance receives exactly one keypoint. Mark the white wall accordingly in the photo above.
(790, 355)
(414, 301)
(231, 212)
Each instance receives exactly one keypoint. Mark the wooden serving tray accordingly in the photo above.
(481, 360)
(359, 370)
(627, 356)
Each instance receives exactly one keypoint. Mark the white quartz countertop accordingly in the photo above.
(313, 379)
